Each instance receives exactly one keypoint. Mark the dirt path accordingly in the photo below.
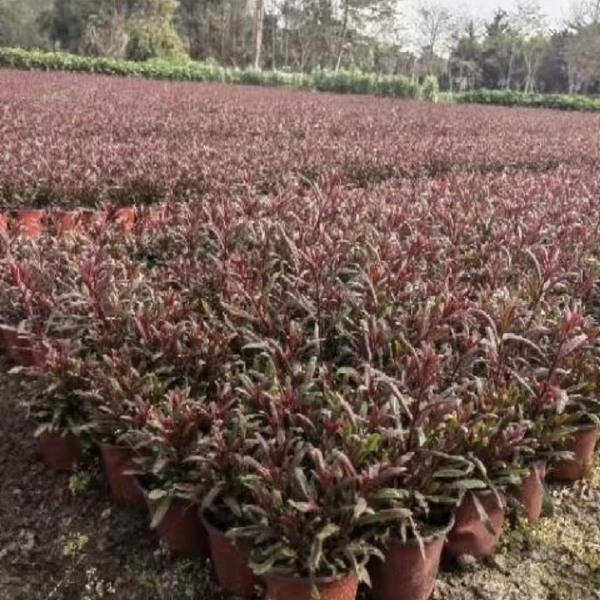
(62, 539)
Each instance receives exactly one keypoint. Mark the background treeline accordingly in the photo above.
(512, 50)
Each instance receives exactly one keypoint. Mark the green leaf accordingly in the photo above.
(483, 516)
(468, 484)
(385, 516)
(160, 512)
(157, 494)
(316, 552)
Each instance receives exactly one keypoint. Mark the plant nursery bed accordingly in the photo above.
(61, 538)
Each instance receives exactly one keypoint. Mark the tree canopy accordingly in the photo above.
(512, 49)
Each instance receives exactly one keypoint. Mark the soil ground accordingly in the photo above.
(62, 539)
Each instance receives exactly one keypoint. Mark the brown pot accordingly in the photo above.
(29, 223)
(469, 534)
(124, 217)
(65, 221)
(60, 452)
(291, 588)
(180, 529)
(582, 445)
(407, 573)
(530, 494)
(230, 562)
(8, 336)
(117, 460)
(89, 218)
(25, 352)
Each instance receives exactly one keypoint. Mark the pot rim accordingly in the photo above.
(313, 580)
(111, 446)
(587, 428)
(27, 211)
(497, 493)
(212, 529)
(438, 534)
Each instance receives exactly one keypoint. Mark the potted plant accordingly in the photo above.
(172, 484)
(28, 222)
(304, 531)
(223, 454)
(495, 442)
(121, 397)
(581, 412)
(561, 396)
(59, 408)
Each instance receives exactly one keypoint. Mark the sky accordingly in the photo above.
(556, 10)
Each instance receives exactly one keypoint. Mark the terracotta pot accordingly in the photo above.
(89, 218)
(65, 221)
(291, 588)
(29, 223)
(61, 453)
(180, 529)
(154, 218)
(124, 217)
(22, 349)
(469, 534)
(230, 562)
(117, 460)
(530, 494)
(582, 445)
(408, 574)
(8, 336)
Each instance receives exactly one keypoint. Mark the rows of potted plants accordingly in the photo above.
(31, 222)
(317, 389)
(90, 140)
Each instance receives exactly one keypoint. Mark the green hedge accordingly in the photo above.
(349, 82)
(511, 98)
(327, 81)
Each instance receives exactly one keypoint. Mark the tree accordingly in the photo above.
(355, 15)
(465, 58)
(434, 27)
(66, 23)
(152, 32)
(583, 59)
(530, 29)
(259, 20)
(583, 14)
(106, 31)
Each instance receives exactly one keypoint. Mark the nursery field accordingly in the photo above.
(261, 342)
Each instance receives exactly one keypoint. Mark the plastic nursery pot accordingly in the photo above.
(65, 221)
(180, 529)
(89, 217)
(23, 350)
(117, 460)
(29, 223)
(469, 534)
(530, 494)
(124, 217)
(151, 218)
(230, 562)
(292, 588)
(582, 445)
(59, 452)
(7, 337)
(407, 572)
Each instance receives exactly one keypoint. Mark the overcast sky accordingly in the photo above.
(555, 9)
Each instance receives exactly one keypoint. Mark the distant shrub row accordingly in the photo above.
(326, 81)
(348, 82)
(512, 98)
